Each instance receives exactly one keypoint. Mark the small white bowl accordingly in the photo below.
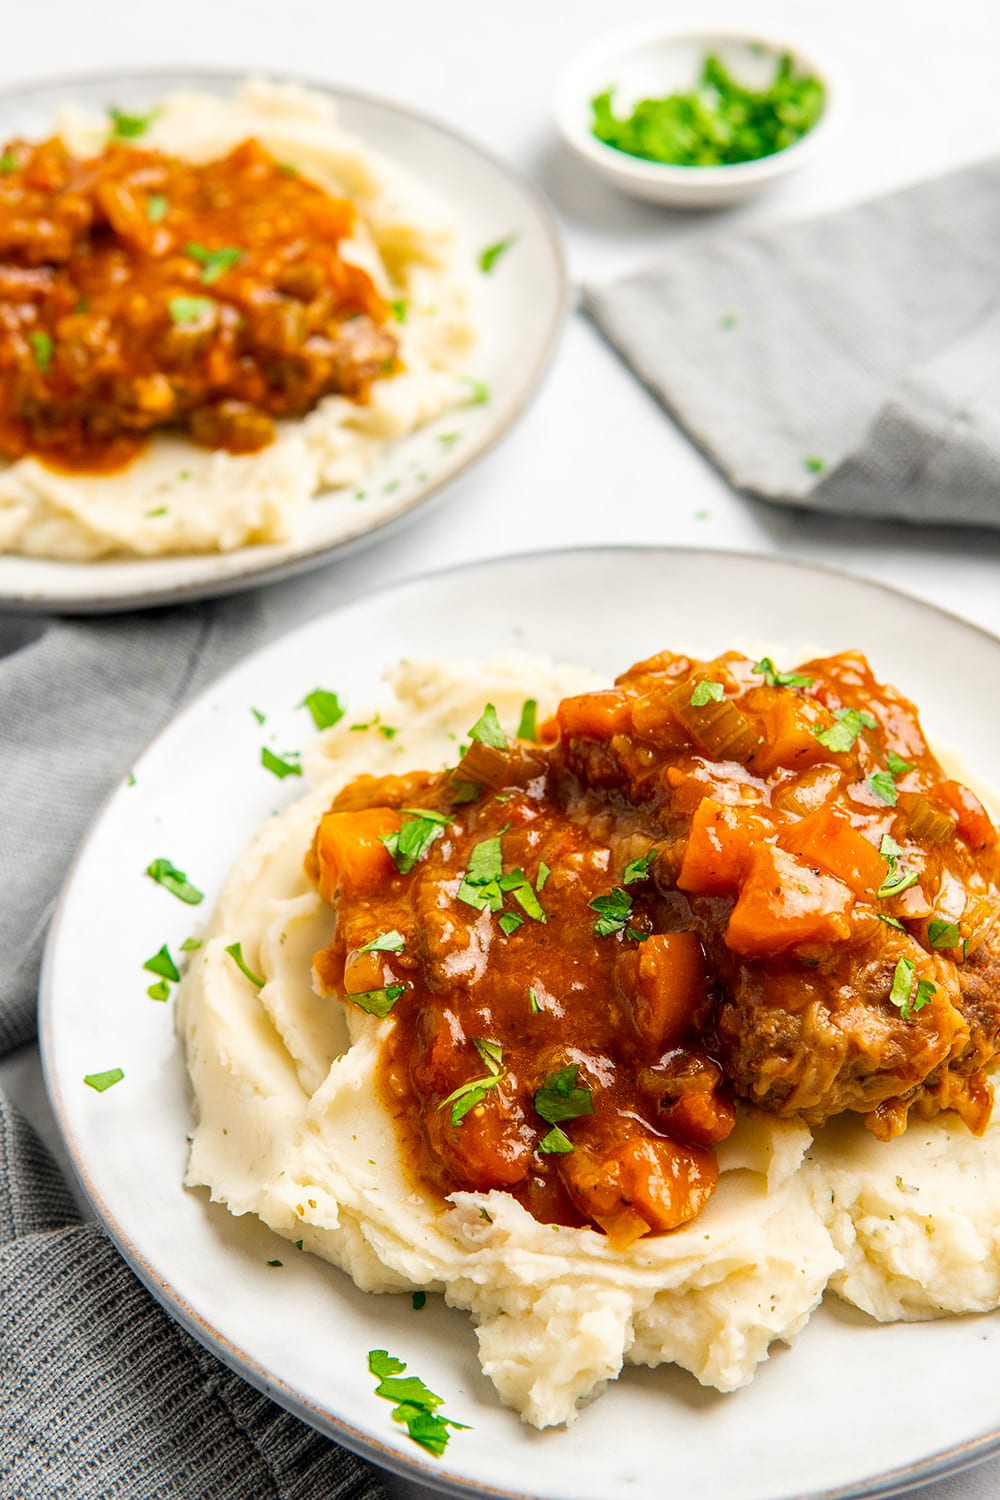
(644, 66)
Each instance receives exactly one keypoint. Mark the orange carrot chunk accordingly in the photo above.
(670, 987)
(785, 901)
(718, 850)
(594, 715)
(826, 838)
(349, 851)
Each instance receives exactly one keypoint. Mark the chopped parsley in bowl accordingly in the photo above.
(699, 119)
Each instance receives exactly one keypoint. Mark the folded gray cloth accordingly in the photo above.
(849, 364)
(101, 1393)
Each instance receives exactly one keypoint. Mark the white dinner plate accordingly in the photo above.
(520, 309)
(854, 1409)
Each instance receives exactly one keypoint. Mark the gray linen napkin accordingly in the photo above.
(849, 364)
(101, 1393)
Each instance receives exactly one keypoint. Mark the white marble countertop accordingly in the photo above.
(595, 461)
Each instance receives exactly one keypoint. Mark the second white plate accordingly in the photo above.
(520, 310)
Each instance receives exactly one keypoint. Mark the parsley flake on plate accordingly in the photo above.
(489, 257)
(161, 963)
(189, 309)
(386, 942)
(410, 843)
(416, 1406)
(907, 997)
(613, 911)
(324, 706)
(279, 766)
(127, 127)
(418, 1300)
(527, 728)
(774, 678)
(943, 934)
(175, 881)
(105, 1080)
(235, 951)
(840, 737)
(214, 263)
(379, 1002)
(897, 879)
(707, 692)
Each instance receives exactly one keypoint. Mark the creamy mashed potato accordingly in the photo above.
(290, 1128)
(178, 498)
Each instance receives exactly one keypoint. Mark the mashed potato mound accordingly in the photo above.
(178, 498)
(290, 1128)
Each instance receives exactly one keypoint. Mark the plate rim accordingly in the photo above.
(34, 602)
(881, 1486)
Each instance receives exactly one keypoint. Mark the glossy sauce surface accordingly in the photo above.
(711, 881)
(138, 291)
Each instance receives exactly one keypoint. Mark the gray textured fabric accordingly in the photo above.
(76, 705)
(101, 1394)
(849, 364)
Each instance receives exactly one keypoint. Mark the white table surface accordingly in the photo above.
(595, 461)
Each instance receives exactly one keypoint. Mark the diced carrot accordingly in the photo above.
(827, 838)
(703, 1116)
(790, 723)
(975, 826)
(665, 1182)
(669, 987)
(719, 845)
(594, 715)
(784, 901)
(349, 851)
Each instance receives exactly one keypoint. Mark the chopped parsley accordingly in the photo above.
(489, 257)
(468, 1095)
(278, 766)
(813, 465)
(418, 1300)
(897, 765)
(774, 678)
(891, 921)
(638, 869)
(883, 785)
(527, 728)
(276, 1262)
(448, 439)
(465, 791)
(943, 934)
(214, 263)
(189, 309)
(175, 881)
(543, 874)
(324, 706)
(259, 716)
(415, 1405)
(126, 127)
(190, 944)
(41, 348)
(413, 840)
(235, 951)
(159, 991)
(379, 1002)
(479, 391)
(707, 692)
(105, 1080)
(159, 510)
(897, 879)
(8, 163)
(840, 737)
(161, 963)
(509, 922)
(399, 311)
(156, 207)
(907, 997)
(386, 942)
(487, 729)
(534, 1004)
(614, 911)
(561, 1098)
